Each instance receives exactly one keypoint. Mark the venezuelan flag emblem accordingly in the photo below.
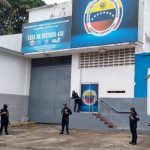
(89, 97)
(102, 17)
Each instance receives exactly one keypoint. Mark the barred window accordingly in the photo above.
(119, 57)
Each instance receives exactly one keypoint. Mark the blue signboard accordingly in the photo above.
(46, 35)
(89, 93)
(102, 22)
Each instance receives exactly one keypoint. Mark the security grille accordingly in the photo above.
(120, 57)
(51, 61)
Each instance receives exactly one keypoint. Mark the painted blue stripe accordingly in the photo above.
(142, 63)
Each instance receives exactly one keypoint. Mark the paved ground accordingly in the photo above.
(46, 137)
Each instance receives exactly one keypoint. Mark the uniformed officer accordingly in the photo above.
(133, 118)
(4, 119)
(66, 111)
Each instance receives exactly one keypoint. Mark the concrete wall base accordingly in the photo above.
(17, 106)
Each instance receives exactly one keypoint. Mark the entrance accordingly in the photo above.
(49, 89)
(89, 92)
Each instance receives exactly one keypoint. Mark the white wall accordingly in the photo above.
(14, 74)
(147, 25)
(12, 42)
(75, 74)
(143, 27)
(140, 47)
(50, 12)
(119, 78)
(56, 1)
(111, 79)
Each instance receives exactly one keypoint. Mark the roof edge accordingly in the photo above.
(3, 49)
(47, 6)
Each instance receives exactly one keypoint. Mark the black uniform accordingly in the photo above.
(133, 118)
(77, 101)
(65, 119)
(4, 119)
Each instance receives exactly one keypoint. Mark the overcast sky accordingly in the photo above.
(54, 1)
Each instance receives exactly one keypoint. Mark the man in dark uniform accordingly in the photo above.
(133, 118)
(77, 101)
(4, 119)
(66, 111)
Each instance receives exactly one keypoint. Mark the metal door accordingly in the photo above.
(49, 89)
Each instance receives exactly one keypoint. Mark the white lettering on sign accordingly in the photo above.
(48, 35)
(31, 37)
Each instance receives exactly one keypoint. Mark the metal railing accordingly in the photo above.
(100, 103)
(105, 110)
(111, 107)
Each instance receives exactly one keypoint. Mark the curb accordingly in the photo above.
(21, 124)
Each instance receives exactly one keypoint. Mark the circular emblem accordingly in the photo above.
(89, 97)
(102, 17)
(32, 43)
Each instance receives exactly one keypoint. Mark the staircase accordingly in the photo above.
(106, 121)
(90, 121)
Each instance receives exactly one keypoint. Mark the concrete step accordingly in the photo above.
(111, 125)
(87, 121)
(98, 115)
(105, 120)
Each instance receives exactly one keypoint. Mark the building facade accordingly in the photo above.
(44, 80)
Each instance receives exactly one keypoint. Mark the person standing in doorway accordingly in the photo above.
(133, 118)
(4, 119)
(66, 111)
(77, 101)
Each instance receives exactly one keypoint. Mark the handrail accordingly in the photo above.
(107, 105)
(113, 108)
